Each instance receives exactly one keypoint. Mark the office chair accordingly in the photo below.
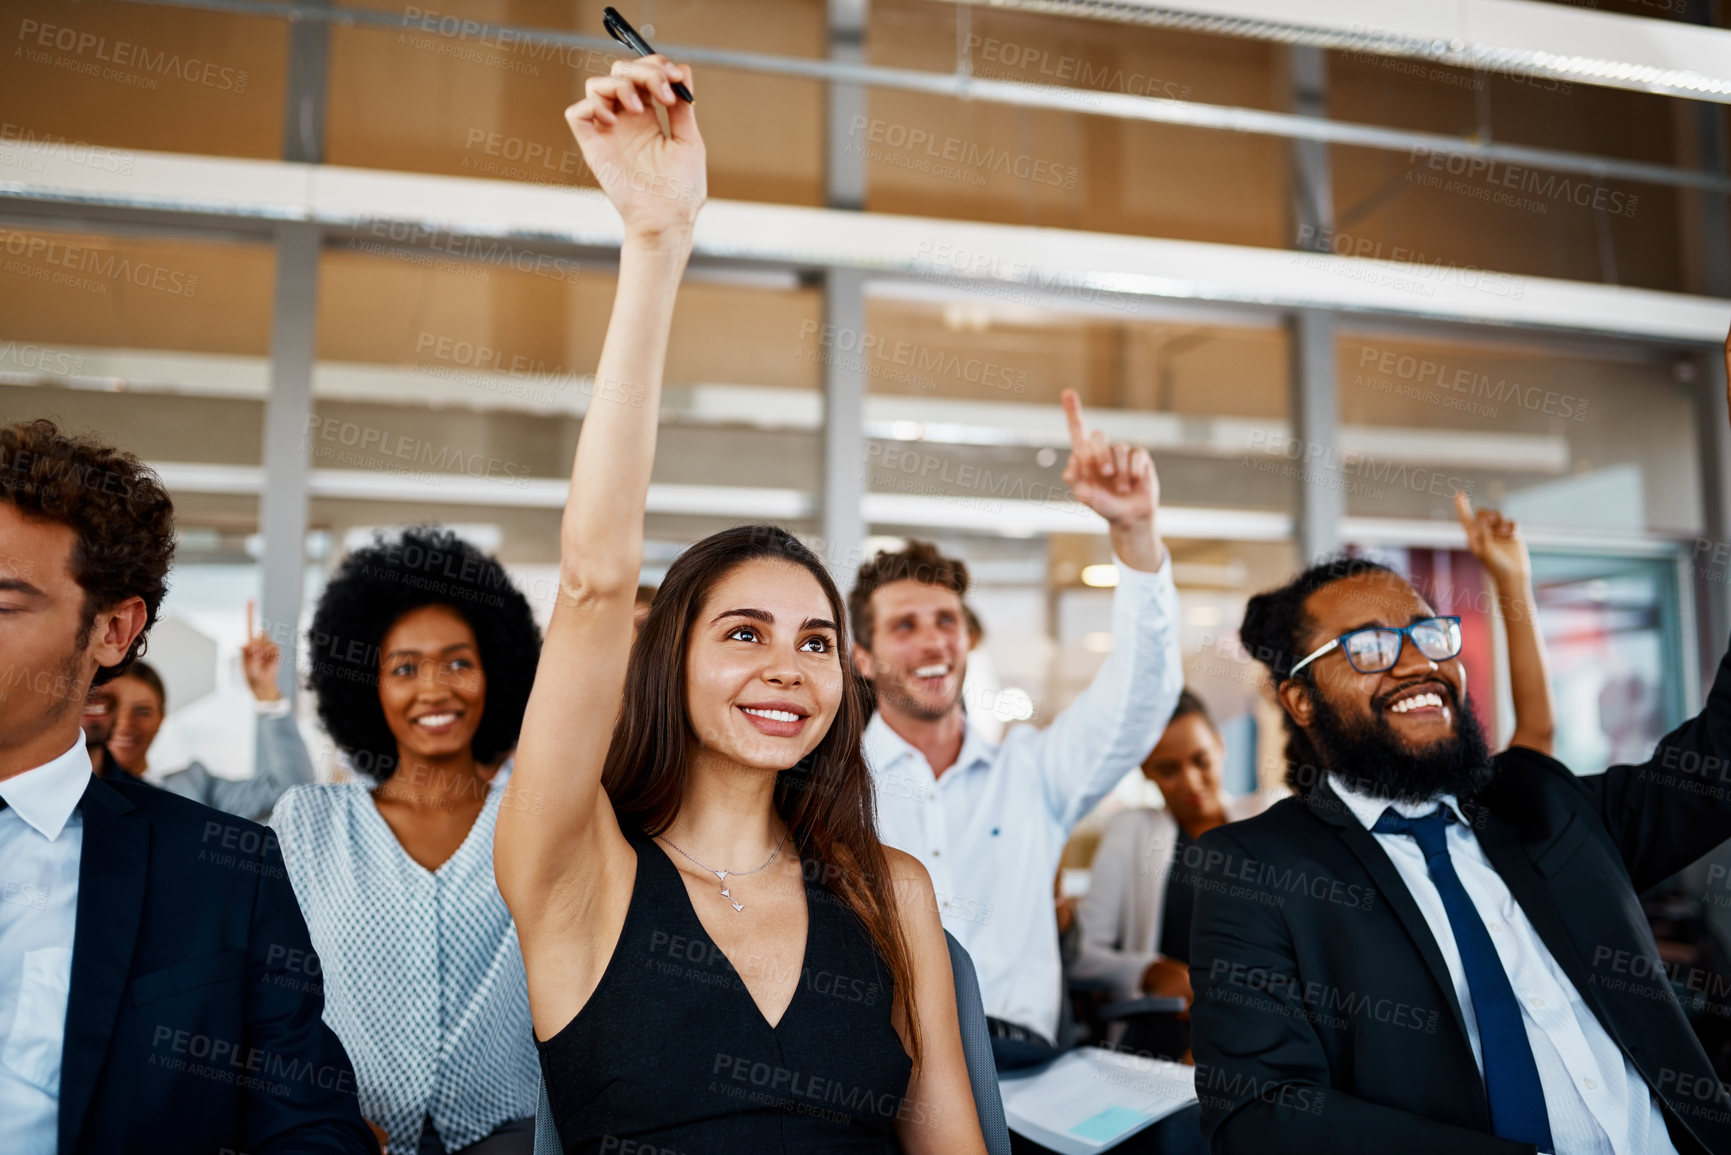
(1150, 1023)
(976, 1048)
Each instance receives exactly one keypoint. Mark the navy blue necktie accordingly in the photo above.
(1511, 1076)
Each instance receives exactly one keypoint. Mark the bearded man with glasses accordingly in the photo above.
(1432, 949)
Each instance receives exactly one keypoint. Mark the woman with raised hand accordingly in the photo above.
(125, 714)
(722, 957)
(422, 655)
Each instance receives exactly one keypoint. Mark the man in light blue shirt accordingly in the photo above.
(157, 986)
(989, 820)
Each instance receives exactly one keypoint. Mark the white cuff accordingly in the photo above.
(281, 708)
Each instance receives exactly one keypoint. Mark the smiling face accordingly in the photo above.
(763, 680)
(1419, 700)
(1405, 733)
(431, 684)
(1186, 765)
(919, 648)
(137, 718)
(50, 648)
(98, 719)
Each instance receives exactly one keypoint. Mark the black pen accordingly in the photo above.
(620, 29)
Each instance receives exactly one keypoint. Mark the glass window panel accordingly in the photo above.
(1558, 441)
(142, 76)
(1613, 637)
(977, 160)
(496, 104)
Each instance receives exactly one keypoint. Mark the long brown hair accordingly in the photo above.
(826, 800)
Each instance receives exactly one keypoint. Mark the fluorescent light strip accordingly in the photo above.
(1611, 50)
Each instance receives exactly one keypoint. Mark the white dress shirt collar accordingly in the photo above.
(884, 748)
(1367, 808)
(46, 796)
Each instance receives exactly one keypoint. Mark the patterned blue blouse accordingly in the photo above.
(423, 976)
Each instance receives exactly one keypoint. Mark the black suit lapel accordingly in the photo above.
(111, 889)
(1511, 862)
(1391, 887)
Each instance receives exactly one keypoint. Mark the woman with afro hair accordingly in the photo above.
(422, 657)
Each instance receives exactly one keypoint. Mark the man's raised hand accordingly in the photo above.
(656, 181)
(1118, 482)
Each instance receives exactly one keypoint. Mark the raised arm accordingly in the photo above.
(1496, 541)
(1114, 723)
(555, 858)
(283, 759)
(1676, 806)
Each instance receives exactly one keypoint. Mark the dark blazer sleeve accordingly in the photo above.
(1262, 1074)
(1676, 806)
(302, 1096)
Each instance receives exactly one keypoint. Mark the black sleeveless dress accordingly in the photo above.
(672, 1053)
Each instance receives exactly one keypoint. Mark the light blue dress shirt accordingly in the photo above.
(41, 842)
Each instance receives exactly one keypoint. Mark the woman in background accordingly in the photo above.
(123, 716)
(1135, 917)
(422, 658)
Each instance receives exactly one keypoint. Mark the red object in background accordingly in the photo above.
(1454, 582)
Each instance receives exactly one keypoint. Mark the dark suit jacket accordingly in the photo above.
(1325, 1019)
(194, 1020)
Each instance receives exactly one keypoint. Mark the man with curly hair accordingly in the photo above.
(156, 979)
(1433, 949)
(989, 820)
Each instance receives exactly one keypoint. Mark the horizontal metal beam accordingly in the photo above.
(886, 510)
(1636, 53)
(965, 86)
(1016, 264)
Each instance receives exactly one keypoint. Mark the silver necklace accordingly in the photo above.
(726, 892)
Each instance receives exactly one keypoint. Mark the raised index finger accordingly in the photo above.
(1073, 413)
(249, 608)
(1464, 511)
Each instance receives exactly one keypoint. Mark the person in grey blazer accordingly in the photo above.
(137, 703)
(1125, 937)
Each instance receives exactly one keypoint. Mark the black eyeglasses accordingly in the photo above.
(1377, 648)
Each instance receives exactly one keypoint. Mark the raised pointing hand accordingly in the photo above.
(1496, 541)
(1115, 480)
(260, 659)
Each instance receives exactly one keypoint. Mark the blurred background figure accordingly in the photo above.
(97, 724)
(123, 717)
(1135, 918)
